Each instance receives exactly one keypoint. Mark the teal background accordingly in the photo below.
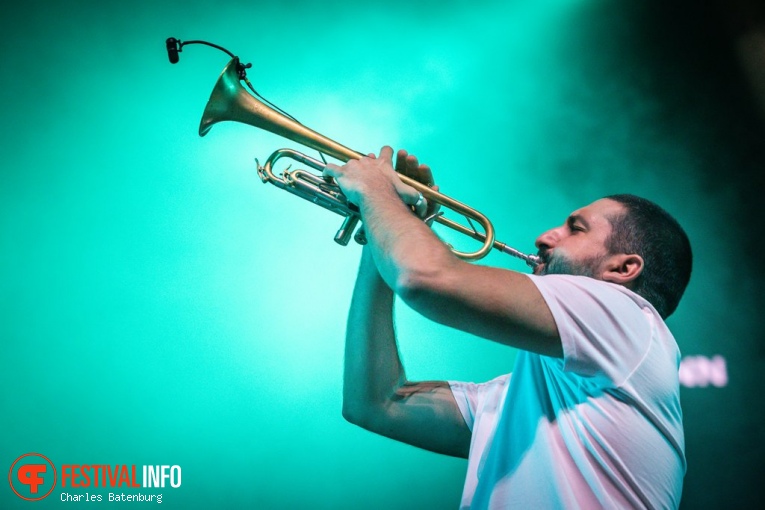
(159, 305)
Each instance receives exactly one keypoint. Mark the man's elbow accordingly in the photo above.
(421, 290)
(364, 416)
(352, 414)
(413, 284)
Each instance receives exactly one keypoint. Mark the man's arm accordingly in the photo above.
(376, 394)
(497, 304)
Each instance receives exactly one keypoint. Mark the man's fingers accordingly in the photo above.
(410, 166)
(401, 162)
(408, 194)
(425, 175)
(386, 153)
(418, 172)
(331, 170)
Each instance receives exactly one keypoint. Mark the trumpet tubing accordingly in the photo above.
(229, 101)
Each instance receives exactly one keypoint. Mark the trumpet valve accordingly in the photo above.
(343, 235)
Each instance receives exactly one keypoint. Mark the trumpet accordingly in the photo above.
(229, 101)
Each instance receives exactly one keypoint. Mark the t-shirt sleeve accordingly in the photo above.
(473, 398)
(605, 330)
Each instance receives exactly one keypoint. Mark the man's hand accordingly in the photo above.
(407, 164)
(372, 175)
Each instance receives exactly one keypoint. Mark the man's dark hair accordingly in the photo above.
(647, 230)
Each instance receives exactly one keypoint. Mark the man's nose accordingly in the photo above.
(548, 240)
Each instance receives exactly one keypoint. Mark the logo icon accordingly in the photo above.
(32, 476)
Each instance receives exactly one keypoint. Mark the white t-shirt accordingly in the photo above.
(600, 428)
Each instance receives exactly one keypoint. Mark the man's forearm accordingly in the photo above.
(373, 369)
(404, 248)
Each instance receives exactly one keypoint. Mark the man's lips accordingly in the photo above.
(544, 257)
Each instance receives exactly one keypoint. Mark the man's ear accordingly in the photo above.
(622, 268)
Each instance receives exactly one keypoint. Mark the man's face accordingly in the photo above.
(578, 247)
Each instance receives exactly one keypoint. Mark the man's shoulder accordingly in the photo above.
(573, 286)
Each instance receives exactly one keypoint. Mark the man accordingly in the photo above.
(590, 416)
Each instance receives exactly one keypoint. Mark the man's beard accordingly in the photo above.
(557, 263)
